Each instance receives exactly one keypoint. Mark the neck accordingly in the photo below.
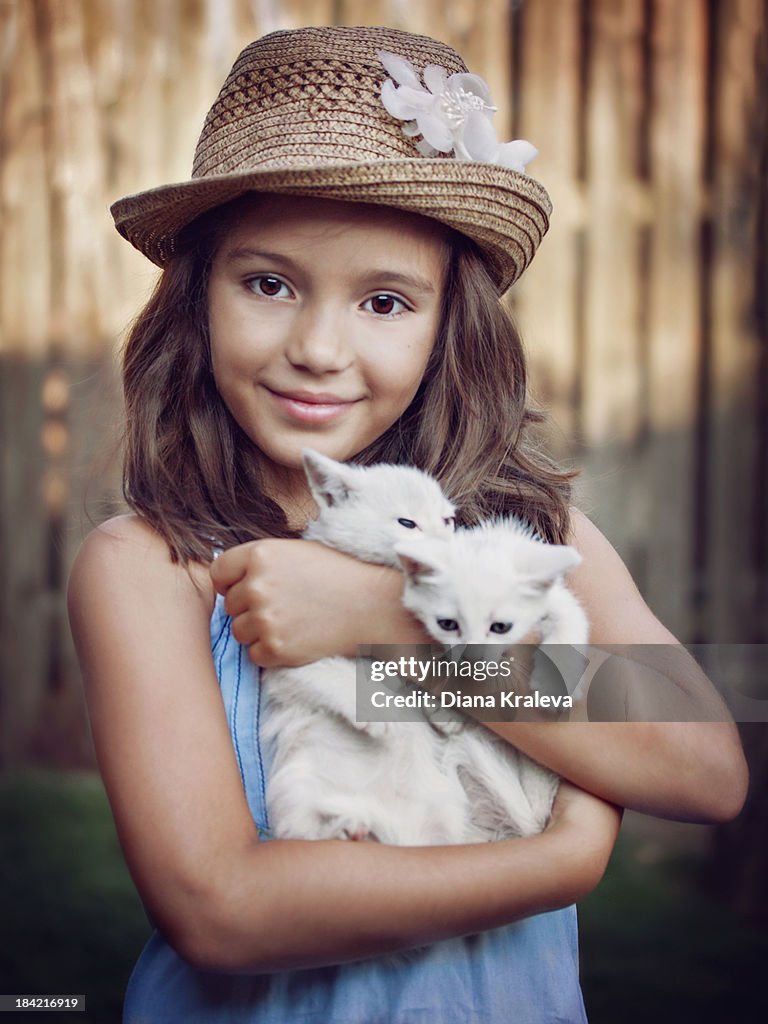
(290, 490)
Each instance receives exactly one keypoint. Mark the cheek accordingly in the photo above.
(399, 375)
(396, 386)
(233, 352)
(231, 331)
(220, 335)
(403, 385)
(225, 375)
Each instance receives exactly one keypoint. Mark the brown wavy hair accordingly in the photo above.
(192, 473)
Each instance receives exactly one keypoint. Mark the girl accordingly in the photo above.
(331, 279)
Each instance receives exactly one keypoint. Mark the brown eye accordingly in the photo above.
(384, 305)
(269, 286)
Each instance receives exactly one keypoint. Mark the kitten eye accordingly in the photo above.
(501, 627)
(408, 524)
(449, 625)
(450, 521)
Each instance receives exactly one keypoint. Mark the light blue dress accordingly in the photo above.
(525, 973)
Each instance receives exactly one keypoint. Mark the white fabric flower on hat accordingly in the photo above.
(452, 114)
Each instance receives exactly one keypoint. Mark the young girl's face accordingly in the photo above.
(322, 317)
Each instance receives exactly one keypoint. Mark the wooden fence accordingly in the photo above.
(645, 313)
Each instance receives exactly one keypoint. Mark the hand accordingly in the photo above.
(296, 601)
(290, 600)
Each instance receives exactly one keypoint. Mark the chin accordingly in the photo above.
(289, 457)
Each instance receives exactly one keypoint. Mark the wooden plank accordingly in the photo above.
(481, 34)
(357, 12)
(545, 299)
(736, 479)
(133, 130)
(760, 467)
(110, 43)
(676, 138)
(191, 65)
(246, 28)
(609, 372)
(74, 176)
(24, 283)
(610, 377)
(279, 14)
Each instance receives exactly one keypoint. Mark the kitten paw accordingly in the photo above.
(376, 730)
(350, 827)
(361, 834)
(448, 727)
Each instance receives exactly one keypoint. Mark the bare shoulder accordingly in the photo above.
(124, 553)
(615, 607)
(597, 552)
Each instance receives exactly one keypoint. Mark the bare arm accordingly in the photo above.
(225, 900)
(686, 770)
(303, 904)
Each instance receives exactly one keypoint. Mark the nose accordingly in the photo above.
(320, 340)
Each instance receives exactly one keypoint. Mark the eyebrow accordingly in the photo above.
(370, 278)
(397, 277)
(245, 252)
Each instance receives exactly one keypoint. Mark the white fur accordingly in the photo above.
(494, 575)
(360, 507)
(495, 583)
(419, 782)
(331, 776)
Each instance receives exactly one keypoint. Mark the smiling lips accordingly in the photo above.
(310, 407)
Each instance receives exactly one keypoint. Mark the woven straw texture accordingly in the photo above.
(300, 112)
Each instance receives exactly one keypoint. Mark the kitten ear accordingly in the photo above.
(546, 563)
(330, 482)
(419, 559)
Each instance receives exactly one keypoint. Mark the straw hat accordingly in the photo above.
(302, 113)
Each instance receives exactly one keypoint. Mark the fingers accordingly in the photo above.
(237, 563)
(270, 589)
(241, 597)
(228, 568)
(269, 655)
(241, 574)
(256, 630)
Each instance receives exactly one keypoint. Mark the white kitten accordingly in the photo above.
(331, 776)
(495, 583)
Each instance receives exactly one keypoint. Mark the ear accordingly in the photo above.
(331, 482)
(420, 560)
(547, 563)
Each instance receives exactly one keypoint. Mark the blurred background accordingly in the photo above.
(645, 317)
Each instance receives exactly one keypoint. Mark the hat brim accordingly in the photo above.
(506, 213)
